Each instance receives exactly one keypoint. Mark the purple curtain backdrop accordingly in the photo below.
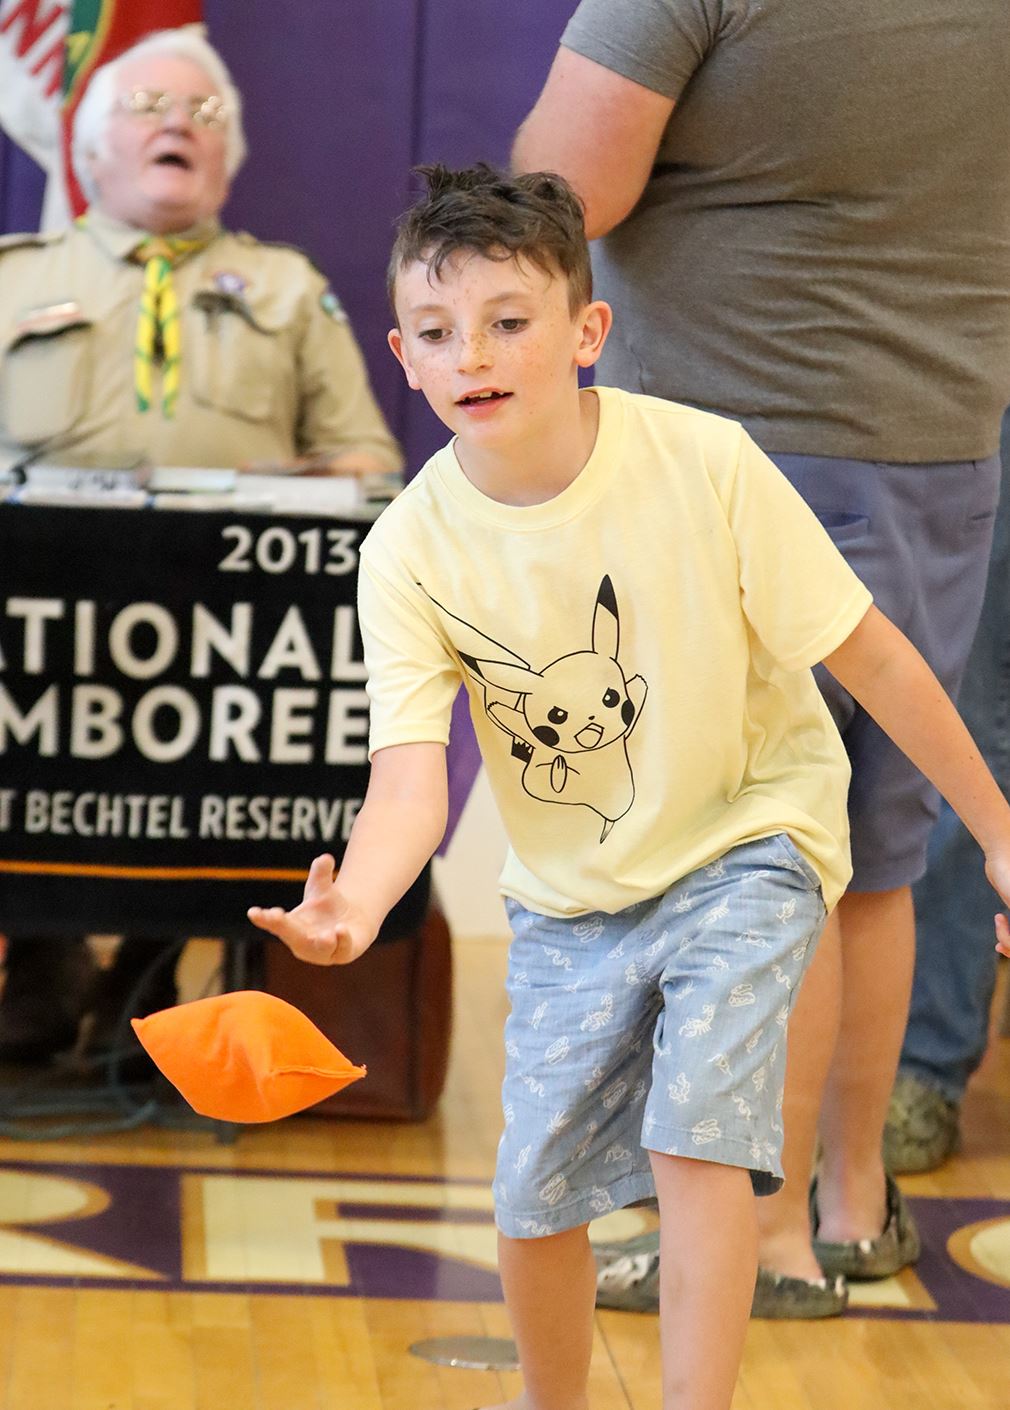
(342, 98)
(21, 188)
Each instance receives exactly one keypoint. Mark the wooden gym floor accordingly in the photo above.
(292, 1270)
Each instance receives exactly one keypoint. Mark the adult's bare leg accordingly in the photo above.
(783, 1218)
(878, 958)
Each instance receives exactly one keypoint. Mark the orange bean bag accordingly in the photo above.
(246, 1056)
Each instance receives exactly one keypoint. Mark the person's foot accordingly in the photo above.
(922, 1127)
(787, 1253)
(790, 1281)
(778, 1296)
(894, 1248)
(45, 993)
(628, 1280)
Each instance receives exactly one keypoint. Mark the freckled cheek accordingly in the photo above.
(421, 364)
(432, 378)
(542, 360)
(435, 371)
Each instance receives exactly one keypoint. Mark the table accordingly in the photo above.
(183, 718)
(183, 727)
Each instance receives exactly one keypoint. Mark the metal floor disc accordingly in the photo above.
(469, 1353)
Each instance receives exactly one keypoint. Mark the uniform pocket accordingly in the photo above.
(45, 377)
(233, 360)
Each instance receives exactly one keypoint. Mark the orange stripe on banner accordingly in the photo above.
(154, 873)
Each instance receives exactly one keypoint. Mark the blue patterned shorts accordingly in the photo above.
(660, 1028)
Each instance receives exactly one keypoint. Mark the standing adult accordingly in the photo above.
(955, 966)
(805, 222)
(147, 329)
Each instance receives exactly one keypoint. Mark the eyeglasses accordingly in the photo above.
(148, 103)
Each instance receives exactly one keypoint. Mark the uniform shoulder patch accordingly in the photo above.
(26, 239)
(331, 306)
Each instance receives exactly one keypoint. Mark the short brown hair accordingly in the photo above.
(537, 215)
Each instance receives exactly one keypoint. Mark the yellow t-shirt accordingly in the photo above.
(636, 652)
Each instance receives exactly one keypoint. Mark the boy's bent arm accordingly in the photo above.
(400, 824)
(881, 669)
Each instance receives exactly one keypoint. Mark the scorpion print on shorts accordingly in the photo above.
(661, 1028)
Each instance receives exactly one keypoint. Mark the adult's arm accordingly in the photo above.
(599, 130)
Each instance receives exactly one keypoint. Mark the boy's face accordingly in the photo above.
(494, 345)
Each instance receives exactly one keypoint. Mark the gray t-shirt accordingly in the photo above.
(823, 248)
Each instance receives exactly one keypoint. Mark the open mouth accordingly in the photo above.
(589, 736)
(173, 159)
(482, 398)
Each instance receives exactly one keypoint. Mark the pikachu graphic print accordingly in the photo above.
(569, 721)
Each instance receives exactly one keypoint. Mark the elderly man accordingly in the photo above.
(149, 330)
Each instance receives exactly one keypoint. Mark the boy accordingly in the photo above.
(633, 596)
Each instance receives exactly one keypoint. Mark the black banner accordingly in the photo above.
(183, 718)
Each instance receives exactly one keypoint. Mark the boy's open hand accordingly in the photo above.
(326, 928)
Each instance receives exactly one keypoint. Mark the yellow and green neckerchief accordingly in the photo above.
(158, 319)
(157, 336)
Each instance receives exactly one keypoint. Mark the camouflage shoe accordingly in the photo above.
(867, 1259)
(922, 1127)
(628, 1280)
(777, 1296)
(627, 1274)
(606, 1250)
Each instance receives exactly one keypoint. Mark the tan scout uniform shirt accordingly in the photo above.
(270, 367)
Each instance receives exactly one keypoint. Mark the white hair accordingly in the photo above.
(99, 101)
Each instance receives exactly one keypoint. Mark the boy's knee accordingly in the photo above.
(685, 1169)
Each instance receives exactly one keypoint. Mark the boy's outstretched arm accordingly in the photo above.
(400, 824)
(881, 669)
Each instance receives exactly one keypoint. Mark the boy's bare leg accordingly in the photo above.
(707, 1268)
(783, 1218)
(550, 1289)
(878, 957)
